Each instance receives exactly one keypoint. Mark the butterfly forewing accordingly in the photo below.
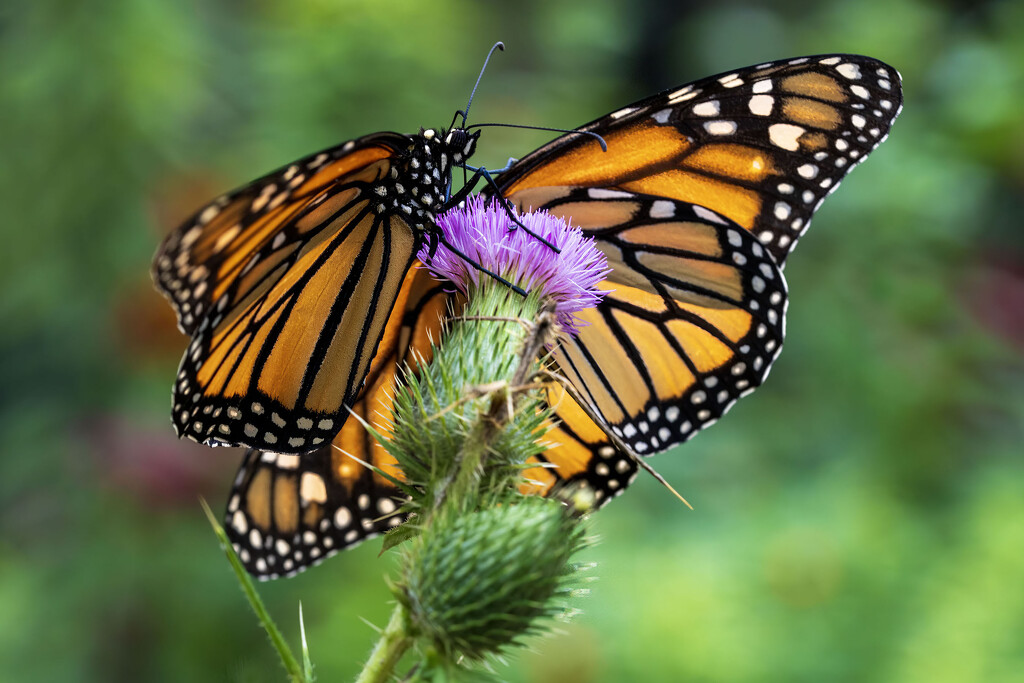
(762, 146)
(285, 287)
(197, 261)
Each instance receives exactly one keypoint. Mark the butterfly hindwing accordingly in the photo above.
(693, 317)
(579, 456)
(287, 512)
(762, 146)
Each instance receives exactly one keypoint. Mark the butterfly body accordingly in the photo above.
(303, 303)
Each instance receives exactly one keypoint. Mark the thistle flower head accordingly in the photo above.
(484, 232)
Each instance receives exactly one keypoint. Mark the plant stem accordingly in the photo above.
(291, 665)
(394, 641)
(491, 345)
(485, 346)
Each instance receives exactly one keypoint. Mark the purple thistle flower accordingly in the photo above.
(485, 233)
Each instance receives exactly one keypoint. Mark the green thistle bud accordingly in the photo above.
(476, 583)
(433, 410)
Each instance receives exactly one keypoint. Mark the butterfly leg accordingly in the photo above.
(432, 242)
(455, 250)
(482, 173)
(507, 166)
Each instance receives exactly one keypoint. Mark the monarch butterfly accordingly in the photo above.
(301, 297)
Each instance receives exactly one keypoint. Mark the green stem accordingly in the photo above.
(394, 641)
(291, 664)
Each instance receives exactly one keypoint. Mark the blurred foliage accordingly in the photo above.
(860, 518)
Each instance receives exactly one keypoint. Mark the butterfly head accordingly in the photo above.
(460, 144)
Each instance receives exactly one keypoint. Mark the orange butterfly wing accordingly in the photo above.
(758, 148)
(287, 512)
(762, 146)
(692, 320)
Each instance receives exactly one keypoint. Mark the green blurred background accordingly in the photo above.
(861, 518)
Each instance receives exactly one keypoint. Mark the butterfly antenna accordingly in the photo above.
(600, 140)
(458, 113)
(497, 46)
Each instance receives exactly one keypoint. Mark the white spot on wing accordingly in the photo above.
(663, 208)
(710, 108)
(208, 214)
(288, 462)
(682, 95)
(227, 237)
(602, 193)
(662, 116)
(708, 215)
(761, 105)
(851, 71)
(785, 135)
(807, 171)
(312, 488)
(720, 127)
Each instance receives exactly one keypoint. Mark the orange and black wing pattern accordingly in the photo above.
(298, 296)
(762, 146)
(697, 202)
(287, 512)
(285, 287)
(692, 320)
